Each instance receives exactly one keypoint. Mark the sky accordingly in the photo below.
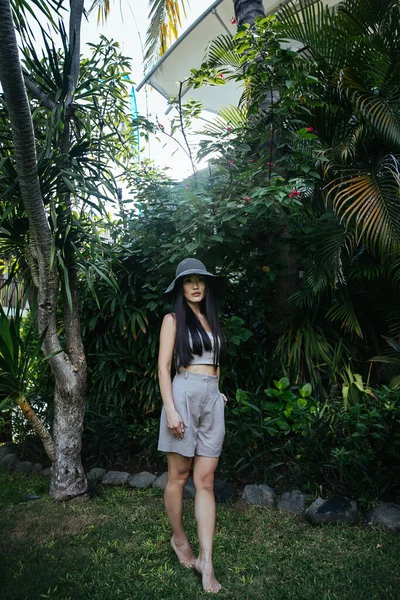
(127, 23)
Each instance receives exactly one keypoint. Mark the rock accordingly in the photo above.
(386, 514)
(24, 466)
(46, 472)
(336, 509)
(259, 494)
(142, 480)
(96, 473)
(161, 481)
(189, 491)
(224, 492)
(292, 502)
(9, 462)
(115, 478)
(6, 449)
(37, 468)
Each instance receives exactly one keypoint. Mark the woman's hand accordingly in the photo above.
(175, 424)
(225, 399)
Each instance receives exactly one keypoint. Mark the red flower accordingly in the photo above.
(188, 186)
(230, 162)
(229, 128)
(310, 129)
(161, 126)
(233, 20)
(251, 160)
(269, 164)
(294, 193)
(221, 76)
(246, 199)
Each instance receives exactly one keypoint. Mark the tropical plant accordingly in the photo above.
(391, 360)
(353, 388)
(18, 353)
(60, 174)
(354, 48)
(165, 19)
(335, 255)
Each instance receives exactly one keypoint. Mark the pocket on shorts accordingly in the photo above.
(181, 405)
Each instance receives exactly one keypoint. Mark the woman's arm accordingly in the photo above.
(167, 343)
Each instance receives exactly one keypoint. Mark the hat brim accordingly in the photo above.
(171, 288)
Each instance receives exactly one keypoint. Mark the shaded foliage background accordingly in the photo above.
(308, 295)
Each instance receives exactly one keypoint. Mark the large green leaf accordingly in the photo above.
(370, 201)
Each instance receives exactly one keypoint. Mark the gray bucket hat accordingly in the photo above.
(188, 266)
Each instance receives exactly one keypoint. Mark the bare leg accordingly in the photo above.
(203, 475)
(178, 473)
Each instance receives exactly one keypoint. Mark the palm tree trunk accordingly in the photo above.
(76, 10)
(246, 11)
(68, 368)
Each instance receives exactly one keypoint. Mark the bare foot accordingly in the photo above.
(184, 553)
(210, 584)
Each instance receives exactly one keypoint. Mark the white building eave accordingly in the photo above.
(188, 53)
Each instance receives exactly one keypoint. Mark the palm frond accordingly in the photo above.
(308, 352)
(392, 356)
(393, 322)
(343, 312)
(315, 26)
(25, 11)
(370, 200)
(395, 272)
(382, 115)
(230, 116)
(332, 244)
(364, 17)
(103, 9)
(165, 18)
(221, 53)
(390, 30)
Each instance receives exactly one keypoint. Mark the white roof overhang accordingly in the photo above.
(188, 53)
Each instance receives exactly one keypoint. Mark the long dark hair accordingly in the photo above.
(186, 321)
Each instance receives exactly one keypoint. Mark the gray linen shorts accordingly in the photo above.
(201, 407)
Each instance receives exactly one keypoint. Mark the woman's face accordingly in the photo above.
(194, 288)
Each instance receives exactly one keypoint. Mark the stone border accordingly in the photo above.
(336, 509)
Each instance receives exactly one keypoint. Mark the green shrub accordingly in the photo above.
(323, 446)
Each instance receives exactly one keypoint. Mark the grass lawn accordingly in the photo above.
(117, 547)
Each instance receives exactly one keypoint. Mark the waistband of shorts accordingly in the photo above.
(191, 376)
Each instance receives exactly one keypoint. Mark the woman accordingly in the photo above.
(192, 420)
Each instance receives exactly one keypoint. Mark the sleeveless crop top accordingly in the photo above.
(207, 358)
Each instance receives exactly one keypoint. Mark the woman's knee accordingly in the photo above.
(204, 481)
(178, 478)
